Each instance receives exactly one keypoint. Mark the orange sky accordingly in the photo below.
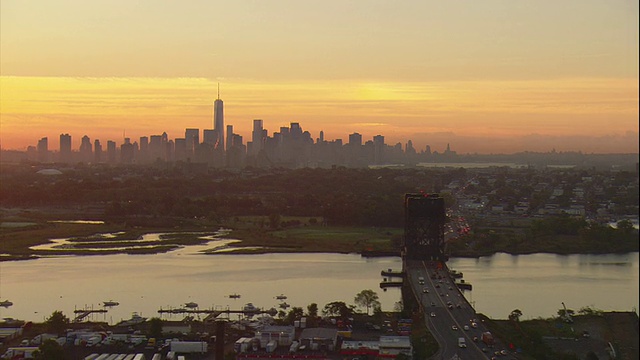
(491, 77)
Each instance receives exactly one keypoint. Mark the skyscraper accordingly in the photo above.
(43, 150)
(218, 121)
(378, 143)
(229, 137)
(192, 137)
(111, 151)
(65, 148)
(86, 151)
(355, 139)
(97, 151)
(209, 137)
(257, 136)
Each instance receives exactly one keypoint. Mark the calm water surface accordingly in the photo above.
(536, 284)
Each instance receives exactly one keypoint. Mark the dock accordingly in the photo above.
(388, 284)
(392, 273)
(81, 314)
(214, 313)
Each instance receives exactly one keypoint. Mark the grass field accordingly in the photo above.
(319, 239)
(301, 234)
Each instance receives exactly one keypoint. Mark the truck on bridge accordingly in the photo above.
(487, 338)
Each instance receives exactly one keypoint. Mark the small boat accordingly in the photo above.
(110, 303)
(6, 303)
(284, 305)
(249, 307)
(234, 296)
(135, 320)
(191, 305)
(281, 297)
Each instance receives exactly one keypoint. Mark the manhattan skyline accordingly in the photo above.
(495, 77)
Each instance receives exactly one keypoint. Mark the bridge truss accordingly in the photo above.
(424, 227)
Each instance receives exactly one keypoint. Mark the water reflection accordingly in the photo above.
(536, 284)
(539, 283)
(145, 283)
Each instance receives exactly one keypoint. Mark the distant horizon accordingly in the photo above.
(488, 77)
(193, 102)
(76, 149)
(544, 144)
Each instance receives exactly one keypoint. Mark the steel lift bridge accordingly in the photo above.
(423, 228)
(423, 238)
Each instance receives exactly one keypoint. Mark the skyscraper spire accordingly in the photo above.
(218, 121)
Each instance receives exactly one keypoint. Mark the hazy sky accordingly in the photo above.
(485, 76)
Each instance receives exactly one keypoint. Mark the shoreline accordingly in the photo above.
(248, 251)
(100, 238)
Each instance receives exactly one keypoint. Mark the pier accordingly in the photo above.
(387, 284)
(392, 273)
(214, 313)
(81, 314)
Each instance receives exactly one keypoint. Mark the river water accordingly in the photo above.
(536, 284)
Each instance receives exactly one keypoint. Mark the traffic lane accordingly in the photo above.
(446, 292)
(440, 295)
(435, 301)
(438, 325)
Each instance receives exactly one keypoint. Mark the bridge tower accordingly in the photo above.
(424, 227)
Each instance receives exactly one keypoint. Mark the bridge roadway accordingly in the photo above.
(440, 317)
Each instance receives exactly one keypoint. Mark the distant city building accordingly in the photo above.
(157, 148)
(65, 148)
(86, 151)
(210, 137)
(43, 150)
(378, 143)
(143, 153)
(355, 139)
(126, 152)
(180, 153)
(111, 152)
(409, 148)
(257, 136)
(97, 152)
(218, 121)
(291, 146)
(229, 137)
(192, 138)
